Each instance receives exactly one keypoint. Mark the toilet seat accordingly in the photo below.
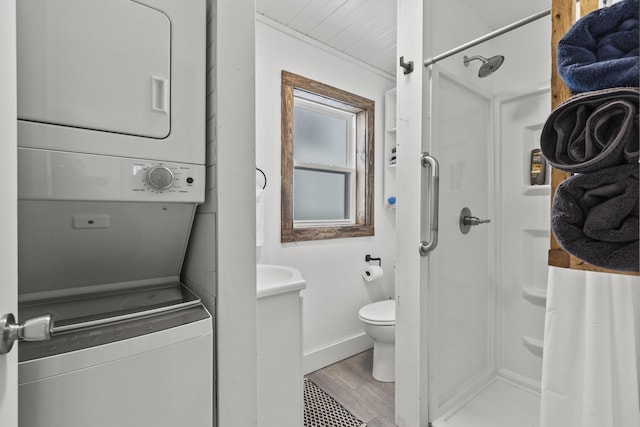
(381, 313)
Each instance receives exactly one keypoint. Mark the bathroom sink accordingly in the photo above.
(278, 279)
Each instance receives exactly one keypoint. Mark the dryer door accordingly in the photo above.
(92, 64)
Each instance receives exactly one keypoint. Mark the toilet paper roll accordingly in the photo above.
(372, 272)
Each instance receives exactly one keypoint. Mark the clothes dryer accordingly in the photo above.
(113, 77)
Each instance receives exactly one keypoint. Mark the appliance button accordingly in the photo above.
(189, 180)
(160, 178)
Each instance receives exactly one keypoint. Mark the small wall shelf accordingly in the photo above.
(534, 345)
(536, 190)
(534, 295)
(390, 148)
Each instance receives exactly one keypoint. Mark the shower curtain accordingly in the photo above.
(591, 350)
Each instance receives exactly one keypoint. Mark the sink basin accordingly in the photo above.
(278, 279)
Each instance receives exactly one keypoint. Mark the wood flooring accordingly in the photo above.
(350, 383)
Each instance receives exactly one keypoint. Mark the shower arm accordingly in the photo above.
(468, 59)
(486, 37)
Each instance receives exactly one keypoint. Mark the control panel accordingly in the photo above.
(164, 178)
(58, 175)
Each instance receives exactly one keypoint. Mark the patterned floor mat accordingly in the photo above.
(320, 410)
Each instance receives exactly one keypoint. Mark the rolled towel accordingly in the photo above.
(593, 130)
(601, 49)
(595, 217)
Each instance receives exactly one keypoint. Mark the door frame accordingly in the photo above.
(412, 397)
(9, 211)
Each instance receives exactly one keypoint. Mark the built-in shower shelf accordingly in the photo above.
(534, 345)
(534, 295)
(536, 190)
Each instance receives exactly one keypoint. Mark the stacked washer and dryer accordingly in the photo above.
(111, 155)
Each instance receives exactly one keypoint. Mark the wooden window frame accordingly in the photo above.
(365, 111)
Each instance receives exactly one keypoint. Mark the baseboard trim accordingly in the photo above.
(324, 356)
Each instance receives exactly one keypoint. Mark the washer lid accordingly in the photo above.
(382, 311)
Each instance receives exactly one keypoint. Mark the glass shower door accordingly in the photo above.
(459, 270)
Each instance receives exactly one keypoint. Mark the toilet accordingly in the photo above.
(379, 319)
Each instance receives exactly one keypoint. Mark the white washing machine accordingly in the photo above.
(128, 358)
(111, 135)
(100, 250)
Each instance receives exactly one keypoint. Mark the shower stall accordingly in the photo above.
(486, 279)
(481, 296)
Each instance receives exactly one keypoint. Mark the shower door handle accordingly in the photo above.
(427, 246)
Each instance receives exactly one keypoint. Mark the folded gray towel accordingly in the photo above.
(593, 130)
(595, 217)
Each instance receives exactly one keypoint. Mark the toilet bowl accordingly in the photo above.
(379, 319)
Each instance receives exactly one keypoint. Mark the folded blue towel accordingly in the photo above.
(593, 130)
(601, 49)
(594, 216)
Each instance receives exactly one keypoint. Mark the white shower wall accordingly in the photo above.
(332, 268)
(524, 231)
(522, 103)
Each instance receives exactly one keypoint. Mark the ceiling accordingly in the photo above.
(366, 29)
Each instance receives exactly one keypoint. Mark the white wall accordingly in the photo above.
(527, 52)
(220, 263)
(332, 268)
(444, 36)
(412, 342)
(235, 214)
(199, 268)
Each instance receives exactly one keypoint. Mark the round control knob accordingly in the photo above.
(160, 178)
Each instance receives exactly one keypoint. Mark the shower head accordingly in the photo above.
(488, 67)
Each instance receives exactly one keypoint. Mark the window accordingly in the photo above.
(327, 161)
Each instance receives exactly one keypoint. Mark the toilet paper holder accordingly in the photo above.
(369, 258)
